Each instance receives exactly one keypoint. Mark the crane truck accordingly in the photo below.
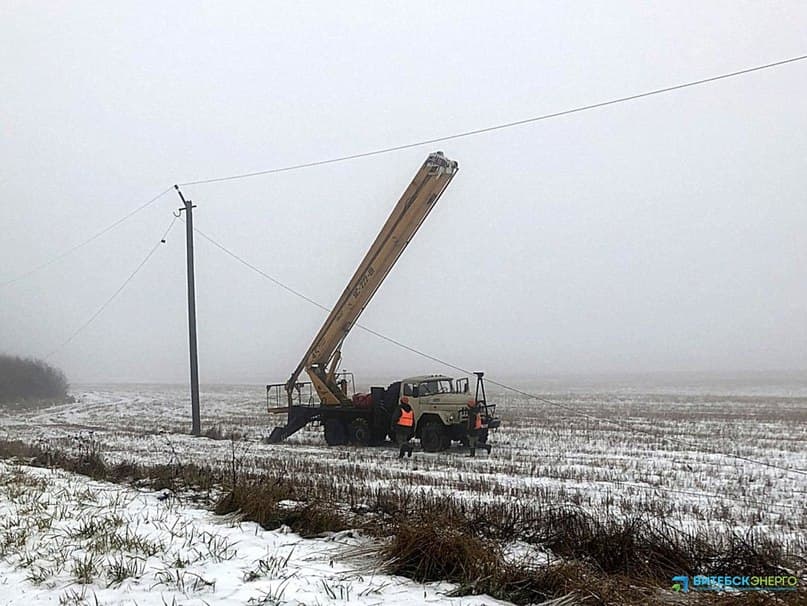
(440, 403)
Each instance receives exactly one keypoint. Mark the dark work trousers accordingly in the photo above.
(402, 437)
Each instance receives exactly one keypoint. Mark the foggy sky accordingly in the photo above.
(661, 234)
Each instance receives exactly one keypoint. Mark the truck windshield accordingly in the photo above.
(428, 388)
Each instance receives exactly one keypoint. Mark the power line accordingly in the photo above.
(569, 409)
(116, 293)
(82, 244)
(403, 147)
(576, 412)
(296, 293)
(505, 125)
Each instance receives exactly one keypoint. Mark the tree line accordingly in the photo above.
(30, 379)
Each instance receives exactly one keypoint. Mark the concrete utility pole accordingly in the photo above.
(188, 208)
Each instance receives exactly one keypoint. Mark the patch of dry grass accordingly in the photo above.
(604, 556)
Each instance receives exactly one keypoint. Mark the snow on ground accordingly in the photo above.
(67, 540)
(662, 450)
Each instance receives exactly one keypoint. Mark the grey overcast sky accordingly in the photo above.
(661, 234)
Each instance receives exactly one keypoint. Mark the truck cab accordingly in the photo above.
(441, 405)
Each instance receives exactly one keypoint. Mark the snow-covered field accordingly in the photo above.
(662, 450)
(659, 451)
(67, 540)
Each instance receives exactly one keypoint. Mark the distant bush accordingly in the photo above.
(30, 379)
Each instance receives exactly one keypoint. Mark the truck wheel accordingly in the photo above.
(432, 437)
(335, 434)
(359, 432)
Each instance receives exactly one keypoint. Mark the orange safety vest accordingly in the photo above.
(407, 418)
(478, 421)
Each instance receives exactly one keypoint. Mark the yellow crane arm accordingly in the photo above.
(322, 358)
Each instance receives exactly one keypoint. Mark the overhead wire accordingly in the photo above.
(84, 243)
(469, 133)
(277, 282)
(558, 405)
(399, 148)
(106, 303)
(387, 150)
(635, 485)
(479, 131)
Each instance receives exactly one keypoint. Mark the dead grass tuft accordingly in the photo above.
(437, 548)
(606, 556)
(273, 504)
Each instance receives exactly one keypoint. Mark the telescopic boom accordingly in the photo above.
(323, 356)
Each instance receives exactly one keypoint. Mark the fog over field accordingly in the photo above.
(621, 251)
(662, 234)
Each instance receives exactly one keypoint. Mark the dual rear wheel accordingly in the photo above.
(339, 433)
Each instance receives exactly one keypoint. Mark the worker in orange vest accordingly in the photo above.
(475, 427)
(405, 428)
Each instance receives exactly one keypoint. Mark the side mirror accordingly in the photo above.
(415, 390)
